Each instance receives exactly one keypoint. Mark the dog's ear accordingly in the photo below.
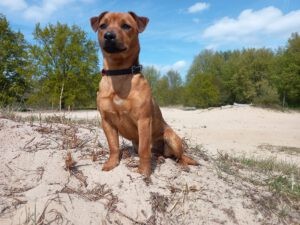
(96, 20)
(141, 21)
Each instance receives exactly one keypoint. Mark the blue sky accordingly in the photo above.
(178, 30)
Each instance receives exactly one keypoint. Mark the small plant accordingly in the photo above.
(285, 185)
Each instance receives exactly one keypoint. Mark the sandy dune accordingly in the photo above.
(239, 129)
(36, 187)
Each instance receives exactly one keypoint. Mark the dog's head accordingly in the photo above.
(118, 32)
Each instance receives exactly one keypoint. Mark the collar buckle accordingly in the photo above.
(136, 69)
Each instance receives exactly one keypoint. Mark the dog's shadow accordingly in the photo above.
(130, 155)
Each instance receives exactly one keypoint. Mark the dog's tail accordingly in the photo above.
(174, 148)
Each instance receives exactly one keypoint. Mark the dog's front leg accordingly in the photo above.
(144, 149)
(111, 134)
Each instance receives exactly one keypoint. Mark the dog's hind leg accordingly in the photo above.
(174, 148)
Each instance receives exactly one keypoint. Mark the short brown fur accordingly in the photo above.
(125, 102)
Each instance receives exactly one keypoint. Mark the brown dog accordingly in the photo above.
(125, 101)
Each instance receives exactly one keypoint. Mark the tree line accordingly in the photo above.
(60, 70)
(258, 75)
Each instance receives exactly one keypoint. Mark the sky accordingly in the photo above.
(178, 30)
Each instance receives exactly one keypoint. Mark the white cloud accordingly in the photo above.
(177, 66)
(198, 7)
(14, 5)
(36, 11)
(45, 10)
(212, 47)
(250, 26)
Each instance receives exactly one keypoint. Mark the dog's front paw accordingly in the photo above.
(145, 170)
(110, 164)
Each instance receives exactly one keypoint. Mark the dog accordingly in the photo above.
(124, 99)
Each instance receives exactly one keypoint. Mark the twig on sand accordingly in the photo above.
(185, 193)
(129, 218)
(9, 167)
(31, 140)
(41, 218)
(52, 139)
(173, 207)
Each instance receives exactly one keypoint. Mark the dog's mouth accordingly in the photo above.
(113, 47)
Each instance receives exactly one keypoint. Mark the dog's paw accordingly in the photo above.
(109, 165)
(144, 170)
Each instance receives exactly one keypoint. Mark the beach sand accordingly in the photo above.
(38, 184)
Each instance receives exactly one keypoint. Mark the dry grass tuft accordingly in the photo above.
(69, 162)
(97, 193)
(159, 203)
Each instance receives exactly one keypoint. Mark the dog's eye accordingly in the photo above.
(125, 26)
(103, 26)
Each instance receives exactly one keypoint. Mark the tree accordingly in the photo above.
(202, 64)
(287, 70)
(175, 87)
(167, 90)
(66, 66)
(201, 91)
(153, 76)
(14, 66)
(163, 94)
(217, 64)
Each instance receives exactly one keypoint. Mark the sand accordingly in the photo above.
(36, 186)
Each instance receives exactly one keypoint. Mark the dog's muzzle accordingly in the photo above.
(111, 44)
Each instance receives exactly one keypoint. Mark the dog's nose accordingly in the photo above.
(109, 36)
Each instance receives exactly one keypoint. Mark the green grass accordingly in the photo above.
(269, 165)
(284, 149)
(285, 185)
(283, 178)
(280, 179)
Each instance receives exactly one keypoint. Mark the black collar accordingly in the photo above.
(130, 71)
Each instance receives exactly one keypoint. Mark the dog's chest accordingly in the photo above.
(114, 105)
(119, 102)
(118, 111)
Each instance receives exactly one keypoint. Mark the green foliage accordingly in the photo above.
(239, 76)
(266, 95)
(66, 67)
(14, 66)
(202, 91)
(287, 69)
(152, 75)
(175, 87)
(163, 91)
(167, 89)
